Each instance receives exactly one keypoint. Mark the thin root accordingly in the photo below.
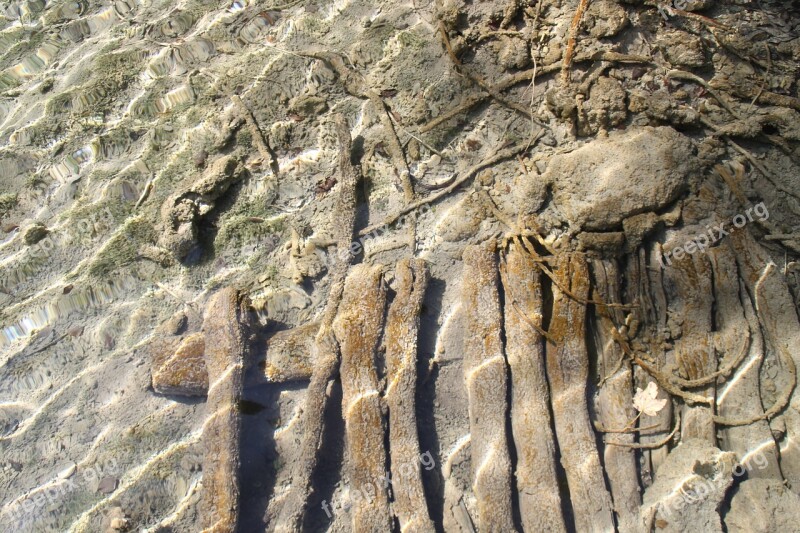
(650, 445)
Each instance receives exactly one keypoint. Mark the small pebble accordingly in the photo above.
(35, 233)
(199, 158)
(107, 485)
(119, 524)
(67, 472)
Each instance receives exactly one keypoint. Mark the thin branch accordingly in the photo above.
(478, 80)
(468, 175)
(650, 445)
(573, 34)
(263, 148)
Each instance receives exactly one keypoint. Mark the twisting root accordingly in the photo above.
(500, 155)
(663, 381)
(465, 106)
(672, 384)
(786, 395)
(565, 290)
(721, 373)
(651, 445)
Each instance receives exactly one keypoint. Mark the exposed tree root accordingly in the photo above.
(225, 348)
(614, 403)
(500, 155)
(358, 326)
(326, 349)
(567, 291)
(485, 375)
(790, 370)
(537, 483)
(402, 327)
(574, 27)
(651, 445)
(568, 374)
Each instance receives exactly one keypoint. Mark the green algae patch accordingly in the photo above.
(123, 248)
(7, 203)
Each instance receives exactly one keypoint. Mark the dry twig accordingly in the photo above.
(573, 34)
(263, 148)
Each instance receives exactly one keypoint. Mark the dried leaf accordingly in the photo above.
(646, 401)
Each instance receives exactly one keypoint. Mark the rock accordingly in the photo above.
(7, 203)
(608, 243)
(682, 48)
(604, 109)
(67, 472)
(689, 488)
(693, 5)
(107, 485)
(199, 158)
(513, 53)
(116, 521)
(181, 212)
(650, 167)
(177, 356)
(662, 107)
(763, 506)
(157, 255)
(605, 18)
(182, 371)
(637, 227)
(561, 102)
(119, 524)
(289, 354)
(308, 105)
(35, 233)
